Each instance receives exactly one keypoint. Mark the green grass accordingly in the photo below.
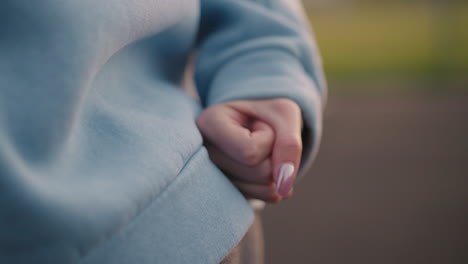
(397, 41)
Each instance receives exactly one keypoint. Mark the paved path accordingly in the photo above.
(390, 186)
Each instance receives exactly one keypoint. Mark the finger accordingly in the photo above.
(259, 174)
(232, 133)
(285, 117)
(262, 192)
(287, 150)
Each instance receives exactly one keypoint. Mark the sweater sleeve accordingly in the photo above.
(254, 49)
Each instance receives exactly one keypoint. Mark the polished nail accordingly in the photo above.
(284, 181)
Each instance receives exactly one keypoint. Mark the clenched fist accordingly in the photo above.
(257, 144)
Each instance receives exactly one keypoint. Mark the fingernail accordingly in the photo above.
(284, 181)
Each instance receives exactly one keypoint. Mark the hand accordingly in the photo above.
(257, 143)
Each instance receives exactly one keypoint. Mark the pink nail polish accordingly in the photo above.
(285, 179)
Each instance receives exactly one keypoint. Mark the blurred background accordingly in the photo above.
(390, 184)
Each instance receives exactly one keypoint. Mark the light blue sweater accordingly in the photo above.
(100, 157)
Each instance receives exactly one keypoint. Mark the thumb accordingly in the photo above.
(286, 159)
(285, 117)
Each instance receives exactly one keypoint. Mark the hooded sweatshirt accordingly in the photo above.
(100, 157)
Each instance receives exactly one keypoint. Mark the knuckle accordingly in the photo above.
(291, 144)
(250, 155)
(203, 118)
(200, 121)
(284, 105)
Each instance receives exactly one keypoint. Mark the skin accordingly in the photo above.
(250, 140)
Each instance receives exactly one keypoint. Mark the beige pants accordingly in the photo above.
(250, 250)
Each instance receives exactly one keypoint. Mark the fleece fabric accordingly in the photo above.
(100, 157)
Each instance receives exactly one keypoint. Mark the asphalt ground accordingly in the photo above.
(390, 185)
